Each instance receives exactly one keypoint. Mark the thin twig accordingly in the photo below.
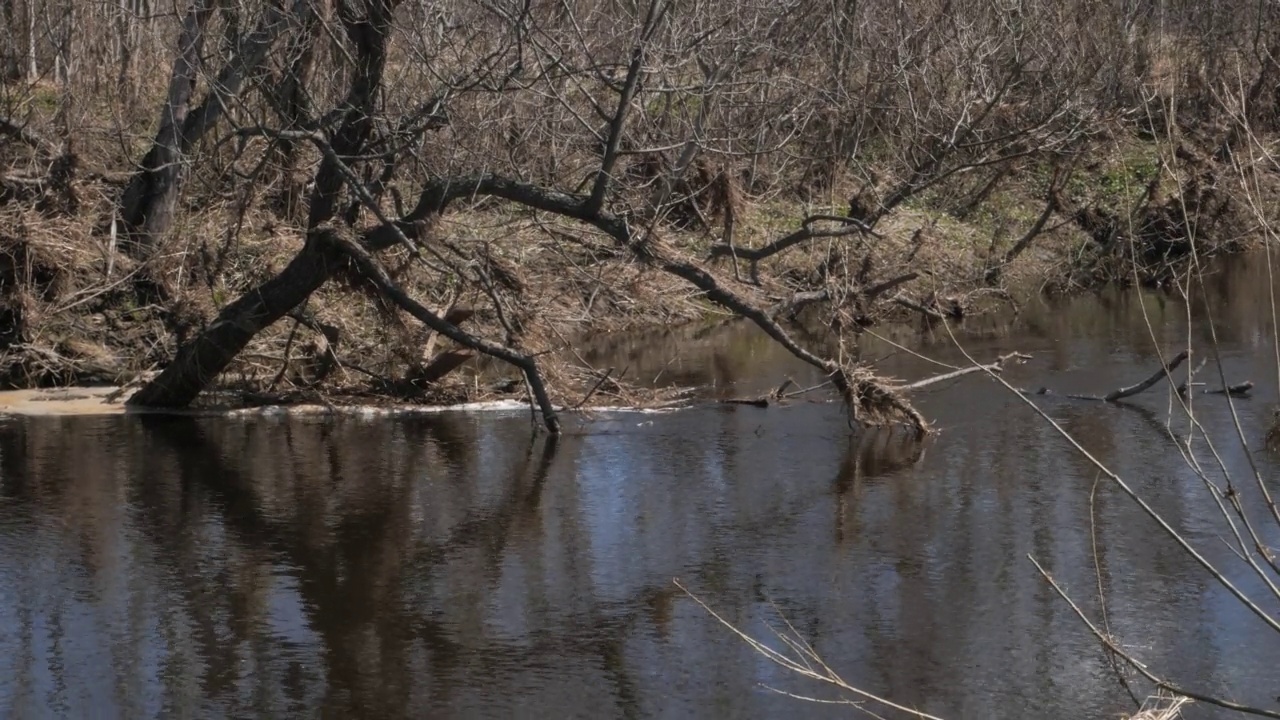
(1139, 666)
(802, 667)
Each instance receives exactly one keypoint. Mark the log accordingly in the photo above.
(1237, 390)
(1122, 393)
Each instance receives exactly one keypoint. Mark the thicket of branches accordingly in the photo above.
(1223, 465)
(186, 175)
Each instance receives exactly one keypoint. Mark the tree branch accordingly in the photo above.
(995, 367)
(1117, 651)
(656, 9)
(859, 393)
(1124, 392)
(805, 233)
(370, 268)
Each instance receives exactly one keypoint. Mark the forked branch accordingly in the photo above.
(869, 401)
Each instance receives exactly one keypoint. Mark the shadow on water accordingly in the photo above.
(350, 558)
(451, 567)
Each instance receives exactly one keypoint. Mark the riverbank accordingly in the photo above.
(77, 311)
(248, 200)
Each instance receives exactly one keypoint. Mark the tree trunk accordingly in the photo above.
(199, 362)
(148, 204)
(368, 33)
(291, 100)
(32, 67)
(10, 50)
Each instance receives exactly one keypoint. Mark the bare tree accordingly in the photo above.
(609, 137)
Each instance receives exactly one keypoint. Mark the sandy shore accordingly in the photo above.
(89, 401)
(62, 401)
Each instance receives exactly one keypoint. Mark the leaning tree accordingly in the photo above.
(627, 121)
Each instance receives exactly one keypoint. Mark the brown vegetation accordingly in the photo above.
(253, 193)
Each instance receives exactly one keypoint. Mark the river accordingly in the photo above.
(447, 565)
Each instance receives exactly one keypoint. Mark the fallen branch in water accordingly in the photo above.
(995, 367)
(1237, 390)
(1132, 390)
(764, 401)
(805, 391)
(1120, 393)
(1191, 376)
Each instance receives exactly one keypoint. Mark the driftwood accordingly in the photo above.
(1132, 390)
(1236, 390)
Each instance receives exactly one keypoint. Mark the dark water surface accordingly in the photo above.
(447, 566)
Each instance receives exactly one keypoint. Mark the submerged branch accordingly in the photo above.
(1124, 392)
(1237, 390)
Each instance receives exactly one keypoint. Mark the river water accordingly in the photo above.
(449, 566)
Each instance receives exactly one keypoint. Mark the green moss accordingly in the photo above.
(1117, 183)
(45, 99)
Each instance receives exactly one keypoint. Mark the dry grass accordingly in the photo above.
(541, 283)
(532, 281)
